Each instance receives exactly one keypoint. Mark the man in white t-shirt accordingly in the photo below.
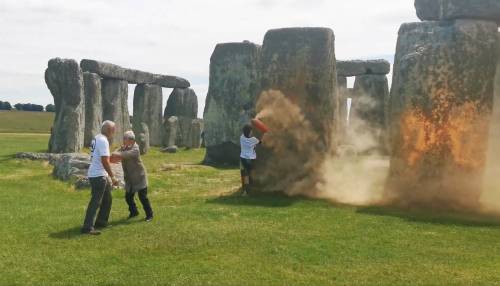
(98, 173)
(247, 157)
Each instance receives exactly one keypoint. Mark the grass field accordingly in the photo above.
(204, 234)
(25, 122)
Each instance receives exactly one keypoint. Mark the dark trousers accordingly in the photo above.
(143, 197)
(100, 199)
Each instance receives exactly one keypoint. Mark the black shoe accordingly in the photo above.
(132, 215)
(101, 226)
(91, 232)
(149, 218)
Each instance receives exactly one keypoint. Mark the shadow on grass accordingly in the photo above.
(432, 217)
(272, 200)
(74, 232)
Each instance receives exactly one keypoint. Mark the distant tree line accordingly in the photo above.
(5, 105)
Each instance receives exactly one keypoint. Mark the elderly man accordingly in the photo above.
(98, 174)
(136, 180)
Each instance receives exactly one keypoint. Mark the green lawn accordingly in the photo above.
(25, 122)
(203, 234)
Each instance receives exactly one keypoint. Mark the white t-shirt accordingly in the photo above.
(98, 148)
(248, 147)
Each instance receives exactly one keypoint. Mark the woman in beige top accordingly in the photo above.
(136, 180)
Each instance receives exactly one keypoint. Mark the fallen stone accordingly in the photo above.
(358, 67)
(65, 81)
(230, 104)
(429, 10)
(107, 70)
(441, 104)
(115, 106)
(93, 106)
(148, 100)
(170, 149)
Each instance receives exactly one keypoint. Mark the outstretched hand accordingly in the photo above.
(115, 158)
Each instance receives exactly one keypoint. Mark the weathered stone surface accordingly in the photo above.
(300, 62)
(115, 106)
(143, 136)
(170, 149)
(71, 167)
(182, 102)
(343, 94)
(51, 157)
(234, 86)
(93, 106)
(148, 100)
(372, 100)
(458, 9)
(65, 81)
(107, 70)
(194, 136)
(441, 101)
(341, 82)
(170, 131)
(428, 10)
(358, 67)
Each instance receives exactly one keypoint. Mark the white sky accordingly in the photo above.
(174, 36)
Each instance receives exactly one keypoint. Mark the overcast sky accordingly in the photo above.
(174, 36)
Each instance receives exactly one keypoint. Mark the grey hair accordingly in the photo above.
(106, 126)
(129, 135)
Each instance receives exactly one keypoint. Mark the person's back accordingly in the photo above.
(247, 156)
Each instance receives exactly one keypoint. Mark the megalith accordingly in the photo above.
(142, 133)
(183, 104)
(371, 102)
(148, 100)
(65, 81)
(93, 106)
(194, 138)
(298, 64)
(115, 106)
(441, 103)
(230, 104)
(361, 67)
(170, 132)
(433, 10)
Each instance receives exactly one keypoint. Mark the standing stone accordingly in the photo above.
(372, 92)
(343, 95)
(171, 127)
(93, 106)
(148, 100)
(432, 10)
(300, 62)
(234, 86)
(441, 103)
(183, 104)
(142, 133)
(65, 81)
(491, 196)
(115, 107)
(194, 139)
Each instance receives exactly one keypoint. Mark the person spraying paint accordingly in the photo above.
(248, 155)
